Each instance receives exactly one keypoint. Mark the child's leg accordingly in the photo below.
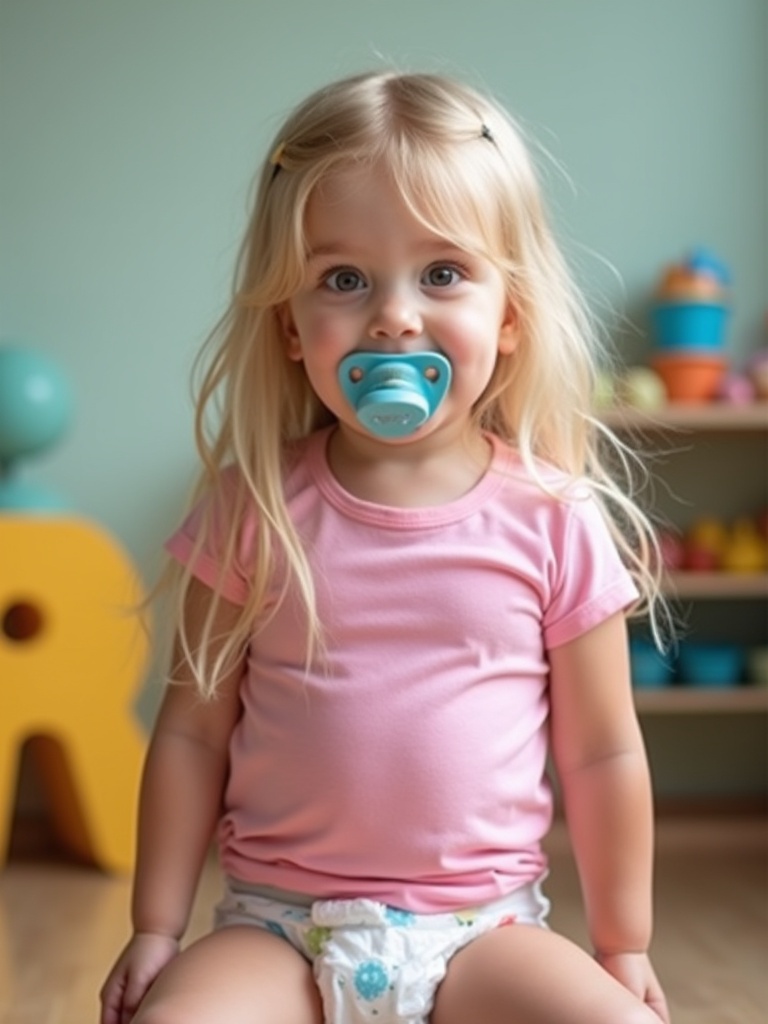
(522, 974)
(239, 975)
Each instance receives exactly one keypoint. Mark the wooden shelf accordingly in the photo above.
(677, 425)
(726, 585)
(708, 416)
(704, 699)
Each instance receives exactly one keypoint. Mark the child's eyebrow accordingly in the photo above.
(441, 246)
(331, 249)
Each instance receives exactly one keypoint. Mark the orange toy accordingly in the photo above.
(72, 656)
(745, 550)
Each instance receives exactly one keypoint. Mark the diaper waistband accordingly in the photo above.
(528, 902)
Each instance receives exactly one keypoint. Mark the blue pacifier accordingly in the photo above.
(393, 394)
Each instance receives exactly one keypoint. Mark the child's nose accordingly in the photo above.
(396, 315)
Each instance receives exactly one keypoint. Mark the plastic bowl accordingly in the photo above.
(650, 668)
(690, 378)
(711, 664)
(699, 326)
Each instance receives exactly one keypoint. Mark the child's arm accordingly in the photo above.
(181, 795)
(601, 763)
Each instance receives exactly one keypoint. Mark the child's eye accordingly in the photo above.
(441, 275)
(345, 279)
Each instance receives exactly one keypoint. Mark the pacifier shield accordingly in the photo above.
(394, 394)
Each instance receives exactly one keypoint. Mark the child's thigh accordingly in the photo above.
(240, 975)
(522, 974)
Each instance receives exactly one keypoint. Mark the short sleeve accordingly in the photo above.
(201, 541)
(592, 583)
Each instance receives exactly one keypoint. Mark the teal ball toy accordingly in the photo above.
(36, 409)
(36, 403)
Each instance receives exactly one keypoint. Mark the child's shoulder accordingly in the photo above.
(534, 478)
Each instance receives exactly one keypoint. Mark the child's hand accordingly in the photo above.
(634, 971)
(137, 967)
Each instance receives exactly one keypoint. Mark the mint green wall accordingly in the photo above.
(130, 132)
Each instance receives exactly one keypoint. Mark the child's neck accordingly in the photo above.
(434, 471)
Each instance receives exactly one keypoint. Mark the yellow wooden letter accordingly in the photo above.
(72, 657)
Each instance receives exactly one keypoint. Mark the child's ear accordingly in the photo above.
(290, 334)
(509, 331)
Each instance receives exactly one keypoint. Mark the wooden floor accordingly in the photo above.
(61, 925)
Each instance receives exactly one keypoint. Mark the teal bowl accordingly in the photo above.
(692, 326)
(650, 668)
(711, 664)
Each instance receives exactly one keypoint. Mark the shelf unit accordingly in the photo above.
(706, 417)
(693, 429)
(718, 584)
(685, 699)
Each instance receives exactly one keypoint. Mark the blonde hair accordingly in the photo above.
(462, 167)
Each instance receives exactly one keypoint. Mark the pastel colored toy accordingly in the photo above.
(642, 388)
(757, 369)
(650, 669)
(71, 658)
(711, 664)
(690, 317)
(704, 544)
(36, 409)
(690, 377)
(72, 653)
(745, 550)
(736, 389)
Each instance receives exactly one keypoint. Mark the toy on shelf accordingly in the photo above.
(650, 667)
(745, 550)
(757, 373)
(693, 663)
(703, 545)
(640, 387)
(72, 652)
(710, 545)
(689, 318)
(707, 663)
(36, 409)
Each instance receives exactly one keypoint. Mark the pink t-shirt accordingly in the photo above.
(409, 767)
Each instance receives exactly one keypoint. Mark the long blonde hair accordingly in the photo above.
(461, 165)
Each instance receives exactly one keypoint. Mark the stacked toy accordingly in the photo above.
(72, 655)
(689, 318)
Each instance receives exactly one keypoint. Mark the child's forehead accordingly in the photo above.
(354, 186)
(356, 210)
(357, 193)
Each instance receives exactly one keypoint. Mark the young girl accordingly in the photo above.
(405, 578)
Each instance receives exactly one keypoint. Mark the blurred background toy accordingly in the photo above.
(711, 664)
(689, 318)
(757, 371)
(650, 667)
(757, 666)
(642, 388)
(36, 410)
(711, 545)
(703, 544)
(736, 389)
(745, 550)
(72, 650)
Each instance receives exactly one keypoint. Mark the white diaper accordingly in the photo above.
(376, 964)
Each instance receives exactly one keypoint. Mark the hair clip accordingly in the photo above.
(486, 133)
(276, 159)
(277, 155)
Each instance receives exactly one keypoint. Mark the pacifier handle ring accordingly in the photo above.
(394, 394)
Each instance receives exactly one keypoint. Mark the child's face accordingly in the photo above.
(379, 280)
